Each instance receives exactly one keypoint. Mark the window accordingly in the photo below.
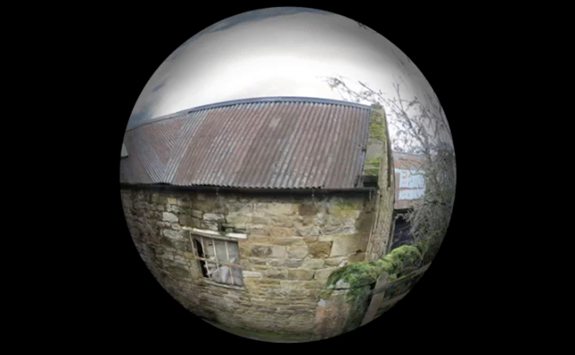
(218, 258)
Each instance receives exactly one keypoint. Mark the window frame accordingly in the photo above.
(221, 236)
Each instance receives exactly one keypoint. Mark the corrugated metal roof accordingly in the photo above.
(258, 143)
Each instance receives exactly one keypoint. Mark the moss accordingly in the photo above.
(358, 300)
(377, 128)
(374, 161)
(361, 274)
(371, 166)
(371, 171)
(344, 209)
(358, 278)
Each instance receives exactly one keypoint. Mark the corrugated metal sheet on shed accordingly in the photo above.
(279, 143)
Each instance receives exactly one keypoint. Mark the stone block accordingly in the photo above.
(288, 241)
(183, 202)
(336, 261)
(277, 209)
(278, 251)
(307, 210)
(256, 231)
(167, 242)
(260, 220)
(313, 263)
(289, 263)
(260, 239)
(209, 225)
(285, 222)
(347, 244)
(280, 232)
(179, 272)
(196, 223)
(258, 261)
(251, 274)
(185, 220)
(260, 250)
(169, 217)
(214, 217)
(307, 220)
(159, 224)
(300, 274)
(337, 225)
(172, 201)
(276, 273)
(323, 274)
(172, 234)
(357, 257)
(236, 219)
(308, 231)
(320, 249)
(197, 214)
(298, 251)
(177, 209)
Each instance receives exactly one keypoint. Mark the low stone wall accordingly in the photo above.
(395, 290)
(358, 293)
(294, 242)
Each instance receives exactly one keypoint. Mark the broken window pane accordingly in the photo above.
(211, 252)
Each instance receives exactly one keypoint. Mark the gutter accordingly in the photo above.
(217, 189)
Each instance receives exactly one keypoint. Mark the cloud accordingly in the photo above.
(138, 117)
(246, 17)
(159, 86)
(258, 15)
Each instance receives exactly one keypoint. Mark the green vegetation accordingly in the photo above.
(377, 128)
(360, 274)
(372, 165)
(343, 208)
(358, 278)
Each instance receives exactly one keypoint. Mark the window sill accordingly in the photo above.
(214, 234)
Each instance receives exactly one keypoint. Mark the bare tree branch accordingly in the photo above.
(422, 129)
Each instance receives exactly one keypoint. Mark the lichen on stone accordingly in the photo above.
(377, 129)
(372, 165)
(342, 208)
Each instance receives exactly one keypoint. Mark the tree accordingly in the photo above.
(420, 128)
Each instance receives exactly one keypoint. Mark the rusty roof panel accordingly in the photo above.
(150, 149)
(304, 143)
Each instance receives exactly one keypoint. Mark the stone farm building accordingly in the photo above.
(243, 209)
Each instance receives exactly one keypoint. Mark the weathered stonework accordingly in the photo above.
(293, 244)
(382, 225)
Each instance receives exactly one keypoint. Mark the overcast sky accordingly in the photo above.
(275, 52)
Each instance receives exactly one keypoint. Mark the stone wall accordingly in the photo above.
(294, 242)
(394, 291)
(382, 227)
(360, 292)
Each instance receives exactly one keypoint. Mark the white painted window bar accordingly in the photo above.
(218, 255)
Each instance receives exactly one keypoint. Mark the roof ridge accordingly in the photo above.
(269, 99)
